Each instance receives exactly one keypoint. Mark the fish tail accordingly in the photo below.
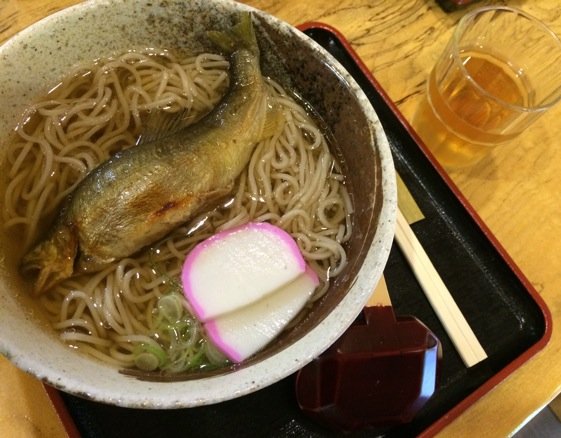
(52, 260)
(242, 35)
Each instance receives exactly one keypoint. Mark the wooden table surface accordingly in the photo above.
(515, 190)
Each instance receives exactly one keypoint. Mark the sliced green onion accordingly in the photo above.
(170, 307)
(178, 346)
(214, 355)
(149, 357)
(146, 362)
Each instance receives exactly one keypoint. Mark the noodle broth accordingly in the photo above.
(133, 314)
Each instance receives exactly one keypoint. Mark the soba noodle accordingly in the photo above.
(133, 313)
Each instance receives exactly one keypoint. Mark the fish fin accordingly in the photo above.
(274, 119)
(242, 34)
(52, 260)
(161, 124)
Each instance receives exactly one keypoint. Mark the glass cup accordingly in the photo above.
(500, 72)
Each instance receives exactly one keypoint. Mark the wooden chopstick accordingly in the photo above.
(380, 296)
(447, 310)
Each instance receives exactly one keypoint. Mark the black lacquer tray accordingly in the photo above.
(505, 312)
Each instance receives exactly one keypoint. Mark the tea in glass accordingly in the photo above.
(487, 88)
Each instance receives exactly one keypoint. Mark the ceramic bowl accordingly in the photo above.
(36, 58)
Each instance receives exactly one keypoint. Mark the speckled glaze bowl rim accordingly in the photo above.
(105, 384)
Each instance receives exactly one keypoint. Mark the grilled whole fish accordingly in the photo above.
(142, 193)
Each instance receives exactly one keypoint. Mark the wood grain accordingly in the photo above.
(25, 408)
(515, 189)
